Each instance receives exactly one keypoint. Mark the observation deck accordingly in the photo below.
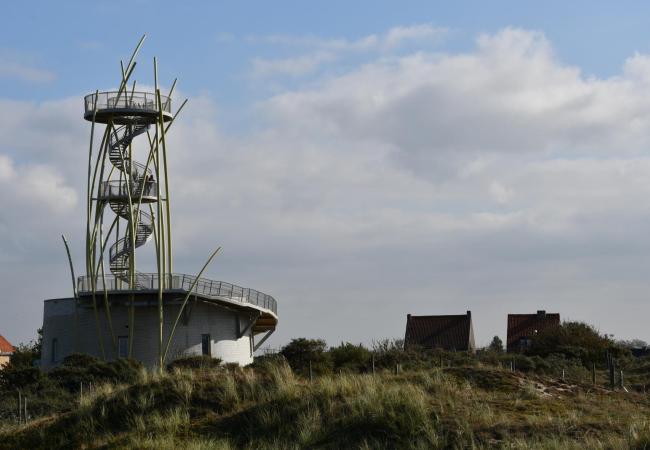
(177, 285)
(125, 108)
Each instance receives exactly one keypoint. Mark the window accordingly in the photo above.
(122, 346)
(205, 345)
(55, 350)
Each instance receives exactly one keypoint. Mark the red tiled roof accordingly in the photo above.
(5, 346)
(447, 332)
(526, 325)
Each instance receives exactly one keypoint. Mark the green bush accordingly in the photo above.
(523, 363)
(21, 371)
(300, 352)
(195, 362)
(390, 352)
(574, 340)
(79, 368)
(350, 358)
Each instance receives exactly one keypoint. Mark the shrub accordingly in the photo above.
(21, 372)
(195, 362)
(301, 351)
(575, 340)
(389, 352)
(350, 358)
(80, 368)
(523, 363)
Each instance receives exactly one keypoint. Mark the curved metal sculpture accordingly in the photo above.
(137, 191)
(130, 184)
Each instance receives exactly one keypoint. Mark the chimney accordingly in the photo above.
(541, 313)
(469, 313)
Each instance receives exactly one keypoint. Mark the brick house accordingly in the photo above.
(451, 333)
(522, 328)
(6, 349)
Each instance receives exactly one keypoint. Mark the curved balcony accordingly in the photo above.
(180, 282)
(126, 107)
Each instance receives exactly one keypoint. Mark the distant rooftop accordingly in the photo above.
(451, 332)
(5, 347)
(526, 326)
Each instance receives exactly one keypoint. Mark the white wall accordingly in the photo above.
(219, 322)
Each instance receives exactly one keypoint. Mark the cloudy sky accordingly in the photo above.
(357, 162)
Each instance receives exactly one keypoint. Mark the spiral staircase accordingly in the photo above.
(141, 179)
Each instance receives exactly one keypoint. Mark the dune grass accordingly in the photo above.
(268, 408)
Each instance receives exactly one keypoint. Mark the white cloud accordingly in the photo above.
(314, 42)
(498, 180)
(509, 96)
(418, 33)
(297, 66)
(394, 37)
(324, 50)
(13, 68)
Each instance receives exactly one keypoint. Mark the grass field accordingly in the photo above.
(269, 407)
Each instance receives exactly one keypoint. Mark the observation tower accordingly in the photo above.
(117, 311)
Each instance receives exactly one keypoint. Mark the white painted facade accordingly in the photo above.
(228, 329)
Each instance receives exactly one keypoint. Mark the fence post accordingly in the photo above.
(20, 408)
(593, 374)
(373, 363)
(25, 405)
(563, 375)
(612, 366)
(620, 380)
(311, 373)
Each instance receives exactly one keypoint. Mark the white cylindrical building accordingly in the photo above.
(117, 311)
(221, 320)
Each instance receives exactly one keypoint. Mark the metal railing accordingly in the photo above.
(116, 188)
(150, 281)
(144, 101)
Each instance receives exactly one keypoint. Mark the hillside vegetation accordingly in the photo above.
(270, 407)
(308, 396)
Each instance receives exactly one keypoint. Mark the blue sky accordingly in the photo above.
(355, 159)
(74, 39)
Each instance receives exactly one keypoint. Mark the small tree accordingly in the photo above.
(21, 371)
(496, 345)
(301, 351)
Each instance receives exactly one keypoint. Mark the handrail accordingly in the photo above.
(150, 281)
(144, 101)
(119, 189)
